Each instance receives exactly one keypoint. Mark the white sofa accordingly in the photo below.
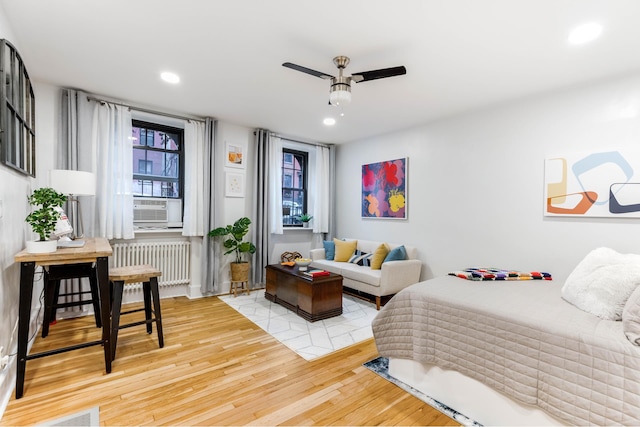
(389, 280)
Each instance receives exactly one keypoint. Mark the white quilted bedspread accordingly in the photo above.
(522, 339)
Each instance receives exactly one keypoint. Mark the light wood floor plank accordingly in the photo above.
(217, 368)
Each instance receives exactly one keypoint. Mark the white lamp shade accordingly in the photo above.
(78, 183)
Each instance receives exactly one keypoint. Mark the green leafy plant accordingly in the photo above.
(305, 217)
(235, 234)
(43, 220)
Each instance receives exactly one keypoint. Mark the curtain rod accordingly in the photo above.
(145, 110)
(313, 144)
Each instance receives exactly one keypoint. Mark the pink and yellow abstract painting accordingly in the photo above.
(384, 189)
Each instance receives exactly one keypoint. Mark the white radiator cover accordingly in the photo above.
(173, 258)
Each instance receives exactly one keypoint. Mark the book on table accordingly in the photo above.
(315, 272)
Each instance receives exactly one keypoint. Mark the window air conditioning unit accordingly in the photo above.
(157, 212)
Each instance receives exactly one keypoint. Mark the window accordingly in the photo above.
(17, 112)
(157, 160)
(294, 186)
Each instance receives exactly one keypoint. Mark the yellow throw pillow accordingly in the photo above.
(378, 256)
(344, 250)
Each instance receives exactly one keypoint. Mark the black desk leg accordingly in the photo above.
(102, 267)
(27, 270)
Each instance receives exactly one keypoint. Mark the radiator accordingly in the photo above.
(172, 258)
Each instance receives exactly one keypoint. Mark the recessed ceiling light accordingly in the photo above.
(329, 121)
(170, 77)
(585, 33)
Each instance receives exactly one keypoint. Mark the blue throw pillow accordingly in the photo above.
(396, 254)
(329, 249)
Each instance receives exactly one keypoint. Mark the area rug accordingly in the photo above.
(88, 417)
(380, 366)
(308, 339)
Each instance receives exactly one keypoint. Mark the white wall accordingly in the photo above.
(14, 188)
(14, 209)
(475, 195)
(235, 207)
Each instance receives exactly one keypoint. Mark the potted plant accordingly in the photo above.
(305, 218)
(43, 220)
(234, 235)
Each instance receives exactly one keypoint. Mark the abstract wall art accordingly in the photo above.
(384, 189)
(604, 184)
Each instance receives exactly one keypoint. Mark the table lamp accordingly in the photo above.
(73, 184)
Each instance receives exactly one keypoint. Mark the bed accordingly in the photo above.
(537, 358)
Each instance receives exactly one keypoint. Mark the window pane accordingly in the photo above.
(8, 79)
(156, 160)
(142, 187)
(293, 187)
(16, 83)
(171, 165)
(139, 156)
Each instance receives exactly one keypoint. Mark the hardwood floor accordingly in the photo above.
(217, 368)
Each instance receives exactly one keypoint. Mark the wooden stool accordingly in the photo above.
(236, 287)
(148, 275)
(52, 276)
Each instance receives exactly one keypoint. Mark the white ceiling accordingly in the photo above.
(460, 55)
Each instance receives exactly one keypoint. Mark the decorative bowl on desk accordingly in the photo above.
(303, 263)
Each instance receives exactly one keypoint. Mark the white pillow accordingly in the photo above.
(631, 317)
(602, 282)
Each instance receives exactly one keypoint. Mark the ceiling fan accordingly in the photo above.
(340, 91)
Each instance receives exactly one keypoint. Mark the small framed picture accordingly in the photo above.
(234, 184)
(235, 156)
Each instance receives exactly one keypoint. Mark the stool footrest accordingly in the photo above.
(137, 310)
(141, 322)
(74, 303)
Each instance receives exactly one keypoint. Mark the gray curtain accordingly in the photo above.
(332, 192)
(260, 208)
(74, 153)
(210, 249)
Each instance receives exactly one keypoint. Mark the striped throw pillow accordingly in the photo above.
(361, 258)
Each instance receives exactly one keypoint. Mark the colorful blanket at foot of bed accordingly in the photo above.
(499, 274)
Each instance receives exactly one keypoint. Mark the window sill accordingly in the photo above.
(151, 230)
(296, 229)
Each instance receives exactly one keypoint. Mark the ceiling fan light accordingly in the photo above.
(340, 95)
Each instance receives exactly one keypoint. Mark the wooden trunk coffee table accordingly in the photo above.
(310, 298)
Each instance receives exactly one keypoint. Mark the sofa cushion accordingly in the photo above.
(378, 256)
(329, 249)
(325, 264)
(360, 258)
(396, 254)
(361, 274)
(344, 250)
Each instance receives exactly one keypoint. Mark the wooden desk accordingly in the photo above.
(95, 250)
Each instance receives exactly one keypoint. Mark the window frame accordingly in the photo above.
(304, 169)
(180, 151)
(17, 113)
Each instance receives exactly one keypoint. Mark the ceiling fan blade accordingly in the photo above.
(378, 74)
(307, 70)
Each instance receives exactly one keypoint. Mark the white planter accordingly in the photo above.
(305, 224)
(40, 247)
